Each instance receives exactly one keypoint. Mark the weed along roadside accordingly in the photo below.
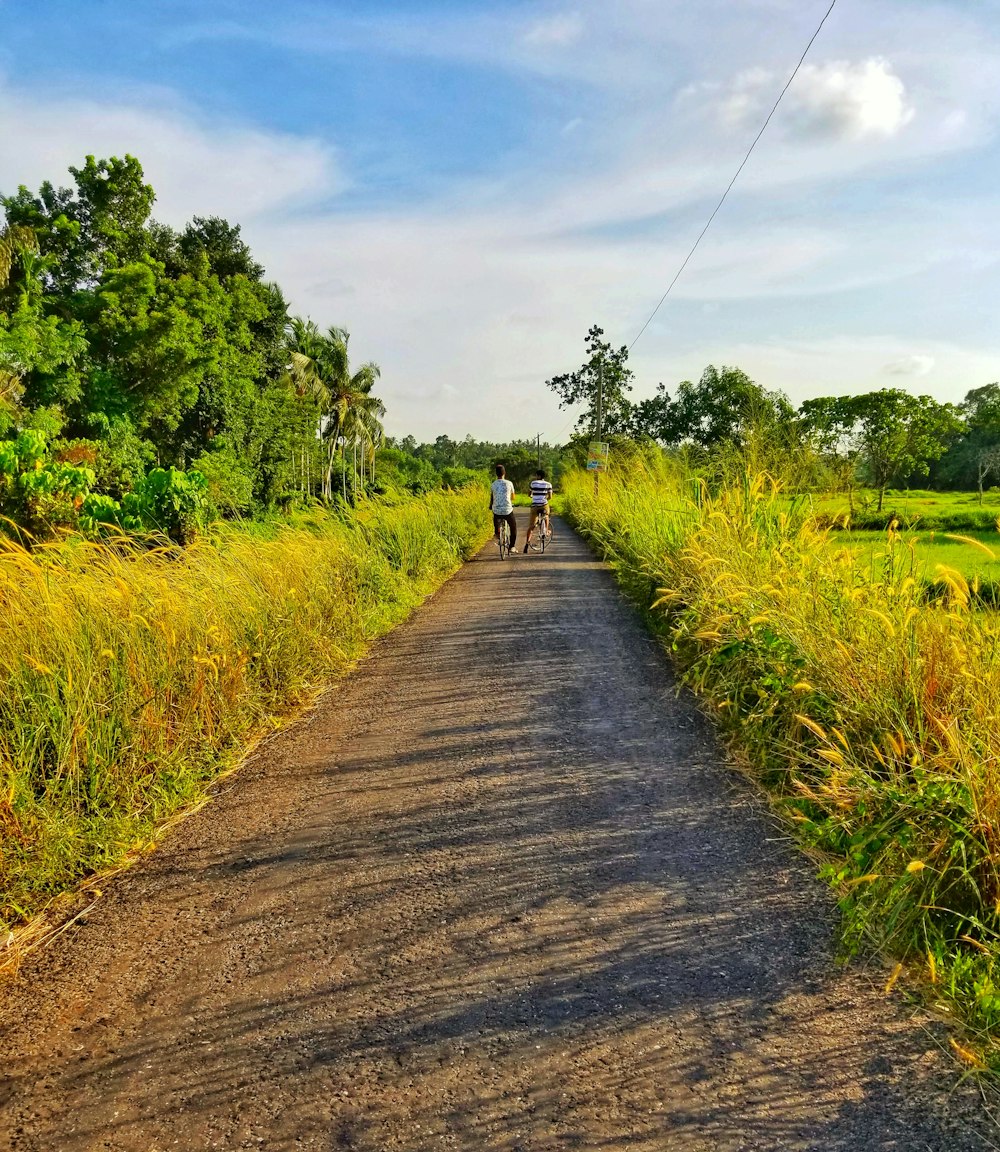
(866, 707)
(133, 677)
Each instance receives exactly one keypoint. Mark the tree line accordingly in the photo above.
(880, 439)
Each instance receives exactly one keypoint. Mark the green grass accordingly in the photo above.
(920, 553)
(913, 509)
(130, 677)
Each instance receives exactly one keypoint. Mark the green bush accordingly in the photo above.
(37, 492)
(168, 501)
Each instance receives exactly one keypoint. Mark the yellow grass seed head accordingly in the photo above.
(956, 582)
(840, 738)
(881, 616)
(896, 973)
(916, 866)
(972, 542)
(864, 879)
(832, 755)
(813, 727)
(966, 1055)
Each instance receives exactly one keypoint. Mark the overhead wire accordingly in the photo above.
(743, 164)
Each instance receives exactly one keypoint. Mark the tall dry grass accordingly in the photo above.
(129, 677)
(870, 710)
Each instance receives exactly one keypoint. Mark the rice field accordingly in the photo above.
(976, 555)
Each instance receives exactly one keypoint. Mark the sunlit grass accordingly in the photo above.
(130, 676)
(866, 699)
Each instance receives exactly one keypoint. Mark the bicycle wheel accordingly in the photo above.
(504, 540)
(543, 535)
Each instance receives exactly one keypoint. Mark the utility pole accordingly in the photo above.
(600, 416)
(538, 446)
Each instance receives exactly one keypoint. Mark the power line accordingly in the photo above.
(722, 201)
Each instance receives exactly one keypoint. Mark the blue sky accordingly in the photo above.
(467, 187)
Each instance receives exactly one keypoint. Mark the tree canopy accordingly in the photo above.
(601, 384)
(158, 348)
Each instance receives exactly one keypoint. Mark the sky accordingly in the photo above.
(467, 187)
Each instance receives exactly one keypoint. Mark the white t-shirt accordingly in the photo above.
(503, 497)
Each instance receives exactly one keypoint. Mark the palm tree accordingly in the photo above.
(349, 412)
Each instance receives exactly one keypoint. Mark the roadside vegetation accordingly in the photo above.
(828, 580)
(202, 522)
(865, 701)
(131, 676)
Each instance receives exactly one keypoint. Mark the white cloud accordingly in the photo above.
(914, 365)
(837, 100)
(196, 169)
(556, 31)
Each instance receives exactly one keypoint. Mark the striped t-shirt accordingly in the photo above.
(541, 490)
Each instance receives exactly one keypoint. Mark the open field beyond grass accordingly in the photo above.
(922, 554)
(130, 677)
(913, 509)
(867, 705)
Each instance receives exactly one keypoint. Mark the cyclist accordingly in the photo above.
(541, 493)
(502, 505)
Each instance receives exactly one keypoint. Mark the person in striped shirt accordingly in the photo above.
(541, 493)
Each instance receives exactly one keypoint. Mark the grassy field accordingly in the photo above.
(921, 554)
(868, 708)
(914, 509)
(130, 677)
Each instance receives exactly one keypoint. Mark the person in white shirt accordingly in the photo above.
(502, 505)
(541, 493)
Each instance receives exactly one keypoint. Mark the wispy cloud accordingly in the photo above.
(196, 168)
(554, 31)
(912, 365)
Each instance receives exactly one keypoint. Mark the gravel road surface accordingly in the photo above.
(498, 891)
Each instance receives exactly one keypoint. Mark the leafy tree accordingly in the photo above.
(722, 407)
(975, 456)
(220, 242)
(893, 434)
(30, 341)
(602, 382)
(138, 345)
(84, 232)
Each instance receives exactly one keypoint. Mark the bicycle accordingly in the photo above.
(541, 534)
(503, 539)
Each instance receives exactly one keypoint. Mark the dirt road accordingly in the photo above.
(498, 892)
